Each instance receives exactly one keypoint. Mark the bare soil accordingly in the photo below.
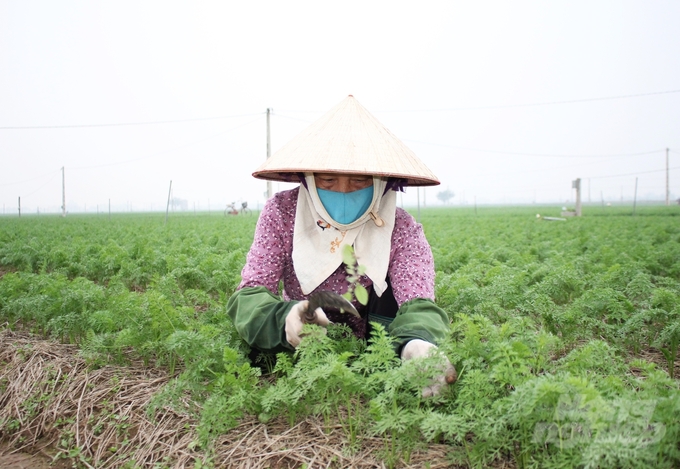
(655, 356)
(21, 460)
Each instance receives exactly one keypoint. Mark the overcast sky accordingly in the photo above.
(506, 101)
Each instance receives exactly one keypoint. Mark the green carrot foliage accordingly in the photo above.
(565, 335)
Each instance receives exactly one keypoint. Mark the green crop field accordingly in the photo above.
(565, 335)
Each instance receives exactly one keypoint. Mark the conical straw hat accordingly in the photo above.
(349, 140)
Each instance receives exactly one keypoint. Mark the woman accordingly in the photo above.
(349, 167)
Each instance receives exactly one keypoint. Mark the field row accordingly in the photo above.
(565, 334)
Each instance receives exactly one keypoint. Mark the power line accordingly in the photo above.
(466, 108)
(41, 187)
(126, 161)
(28, 180)
(292, 118)
(551, 170)
(120, 124)
(536, 154)
(170, 150)
(618, 155)
(547, 103)
(631, 174)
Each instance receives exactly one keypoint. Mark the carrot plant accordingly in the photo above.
(552, 330)
(668, 342)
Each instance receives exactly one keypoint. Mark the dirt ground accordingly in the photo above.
(22, 460)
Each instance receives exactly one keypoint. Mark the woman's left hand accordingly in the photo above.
(418, 348)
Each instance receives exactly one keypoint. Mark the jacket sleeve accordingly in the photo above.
(259, 317)
(412, 276)
(419, 318)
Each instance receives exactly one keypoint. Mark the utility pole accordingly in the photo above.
(167, 207)
(635, 196)
(63, 193)
(577, 185)
(269, 153)
(668, 191)
(19, 207)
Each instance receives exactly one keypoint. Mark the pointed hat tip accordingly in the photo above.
(347, 139)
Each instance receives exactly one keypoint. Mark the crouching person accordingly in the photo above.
(349, 168)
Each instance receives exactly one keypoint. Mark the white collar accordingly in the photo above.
(318, 239)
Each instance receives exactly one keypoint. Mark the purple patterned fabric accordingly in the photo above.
(411, 269)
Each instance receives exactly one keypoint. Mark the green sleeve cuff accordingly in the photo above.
(259, 317)
(419, 318)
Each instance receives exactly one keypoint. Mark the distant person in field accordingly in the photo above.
(350, 168)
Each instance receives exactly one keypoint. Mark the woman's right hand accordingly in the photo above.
(296, 318)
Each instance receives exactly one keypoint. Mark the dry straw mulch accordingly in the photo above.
(52, 403)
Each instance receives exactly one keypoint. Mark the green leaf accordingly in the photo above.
(229, 356)
(361, 294)
(348, 255)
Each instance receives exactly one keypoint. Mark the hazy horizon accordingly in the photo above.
(506, 102)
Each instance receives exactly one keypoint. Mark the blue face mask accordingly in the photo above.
(346, 207)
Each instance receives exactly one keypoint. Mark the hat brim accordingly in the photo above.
(347, 140)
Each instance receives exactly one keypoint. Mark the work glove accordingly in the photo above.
(298, 316)
(418, 348)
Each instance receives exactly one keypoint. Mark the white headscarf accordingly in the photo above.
(318, 240)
